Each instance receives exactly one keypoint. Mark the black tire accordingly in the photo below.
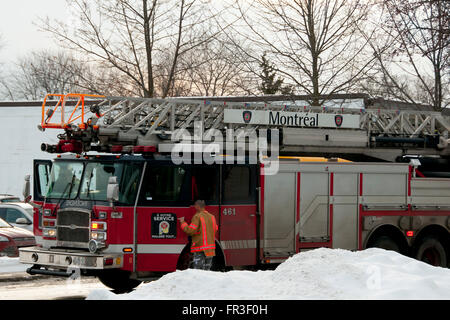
(118, 280)
(184, 260)
(431, 250)
(385, 242)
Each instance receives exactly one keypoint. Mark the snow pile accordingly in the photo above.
(316, 274)
(10, 265)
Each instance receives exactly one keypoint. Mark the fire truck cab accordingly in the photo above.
(136, 235)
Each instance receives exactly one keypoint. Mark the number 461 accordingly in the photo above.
(229, 211)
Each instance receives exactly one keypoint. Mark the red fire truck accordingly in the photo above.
(114, 215)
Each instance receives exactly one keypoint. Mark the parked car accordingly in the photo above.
(19, 214)
(4, 197)
(13, 238)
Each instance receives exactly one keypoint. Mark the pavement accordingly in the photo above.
(22, 286)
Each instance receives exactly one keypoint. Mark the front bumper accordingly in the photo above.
(64, 259)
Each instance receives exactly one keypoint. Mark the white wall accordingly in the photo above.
(20, 142)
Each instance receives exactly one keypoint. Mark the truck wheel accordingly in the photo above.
(185, 259)
(118, 280)
(385, 242)
(431, 251)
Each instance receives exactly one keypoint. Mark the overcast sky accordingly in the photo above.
(19, 34)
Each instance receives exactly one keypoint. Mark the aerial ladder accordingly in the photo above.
(149, 125)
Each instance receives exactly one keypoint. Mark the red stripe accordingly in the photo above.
(261, 209)
(360, 184)
(409, 180)
(197, 249)
(298, 211)
(420, 174)
(215, 227)
(360, 224)
(331, 208)
(298, 196)
(315, 244)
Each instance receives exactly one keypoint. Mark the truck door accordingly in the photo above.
(238, 217)
(165, 196)
(41, 178)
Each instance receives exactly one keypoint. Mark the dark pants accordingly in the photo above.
(200, 261)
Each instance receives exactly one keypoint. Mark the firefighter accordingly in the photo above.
(202, 229)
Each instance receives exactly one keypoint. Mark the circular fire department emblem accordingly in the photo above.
(164, 227)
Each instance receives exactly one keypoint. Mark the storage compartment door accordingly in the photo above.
(279, 214)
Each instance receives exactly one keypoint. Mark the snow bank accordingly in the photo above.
(10, 265)
(316, 274)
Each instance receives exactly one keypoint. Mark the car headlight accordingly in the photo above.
(4, 239)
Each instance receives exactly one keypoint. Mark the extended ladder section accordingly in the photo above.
(140, 125)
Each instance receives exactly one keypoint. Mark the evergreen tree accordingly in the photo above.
(269, 85)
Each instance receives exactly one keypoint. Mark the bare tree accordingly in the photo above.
(44, 72)
(414, 59)
(215, 69)
(314, 44)
(135, 37)
(5, 91)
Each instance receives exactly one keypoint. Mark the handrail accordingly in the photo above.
(77, 114)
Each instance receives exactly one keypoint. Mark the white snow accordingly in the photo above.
(11, 265)
(316, 274)
(20, 144)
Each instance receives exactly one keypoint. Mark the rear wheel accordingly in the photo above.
(385, 242)
(430, 250)
(118, 280)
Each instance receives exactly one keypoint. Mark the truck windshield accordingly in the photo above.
(65, 179)
(90, 180)
(97, 174)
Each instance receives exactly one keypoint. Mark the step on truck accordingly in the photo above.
(114, 215)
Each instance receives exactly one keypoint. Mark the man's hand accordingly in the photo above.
(181, 219)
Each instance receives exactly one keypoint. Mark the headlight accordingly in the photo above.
(4, 239)
(49, 233)
(99, 236)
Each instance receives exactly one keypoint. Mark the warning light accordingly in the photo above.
(98, 225)
(410, 233)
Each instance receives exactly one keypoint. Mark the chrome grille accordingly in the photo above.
(77, 218)
(75, 235)
(72, 227)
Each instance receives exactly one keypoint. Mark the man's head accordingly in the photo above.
(199, 205)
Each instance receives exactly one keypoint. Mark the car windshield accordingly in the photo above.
(29, 211)
(10, 199)
(4, 224)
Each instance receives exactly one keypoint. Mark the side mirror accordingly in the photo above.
(112, 191)
(22, 221)
(26, 189)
